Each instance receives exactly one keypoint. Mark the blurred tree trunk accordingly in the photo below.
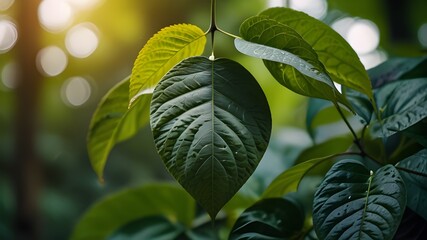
(26, 165)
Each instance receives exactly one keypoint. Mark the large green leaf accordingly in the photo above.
(402, 104)
(120, 209)
(113, 122)
(355, 203)
(416, 185)
(163, 51)
(269, 219)
(211, 125)
(152, 228)
(396, 69)
(290, 179)
(339, 59)
(290, 59)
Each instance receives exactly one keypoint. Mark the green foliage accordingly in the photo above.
(163, 51)
(303, 74)
(113, 122)
(273, 218)
(339, 59)
(416, 184)
(355, 203)
(114, 212)
(211, 125)
(210, 137)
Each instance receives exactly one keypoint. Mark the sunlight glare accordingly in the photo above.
(422, 35)
(52, 61)
(373, 58)
(84, 4)
(8, 35)
(6, 4)
(363, 36)
(275, 3)
(8, 75)
(55, 15)
(82, 40)
(314, 8)
(76, 91)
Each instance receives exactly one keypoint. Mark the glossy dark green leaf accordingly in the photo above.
(416, 185)
(286, 55)
(117, 210)
(269, 219)
(339, 59)
(355, 203)
(290, 179)
(152, 228)
(402, 105)
(418, 132)
(211, 125)
(396, 69)
(113, 122)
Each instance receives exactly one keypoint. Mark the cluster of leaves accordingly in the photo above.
(212, 137)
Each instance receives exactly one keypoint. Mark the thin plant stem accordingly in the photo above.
(356, 138)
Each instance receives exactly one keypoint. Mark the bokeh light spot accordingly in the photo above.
(342, 25)
(55, 15)
(52, 61)
(275, 3)
(84, 4)
(9, 75)
(314, 8)
(76, 91)
(8, 35)
(363, 36)
(422, 35)
(373, 58)
(6, 4)
(82, 40)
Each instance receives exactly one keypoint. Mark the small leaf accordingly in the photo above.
(211, 125)
(113, 122)
(416, 185)
(152, 228)
(163, 51)
(396, 69)
(286, 54)
(339, 59)
(355, 203)
(119, 209)
(403, 104)
(272, 219)
(290, 179)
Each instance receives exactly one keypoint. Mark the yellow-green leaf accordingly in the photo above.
(163, 51)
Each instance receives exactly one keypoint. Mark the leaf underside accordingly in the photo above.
(291, 60)
(355, 203)
(339, 59)
(211, 125)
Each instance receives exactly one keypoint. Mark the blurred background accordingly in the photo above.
(59, 57)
